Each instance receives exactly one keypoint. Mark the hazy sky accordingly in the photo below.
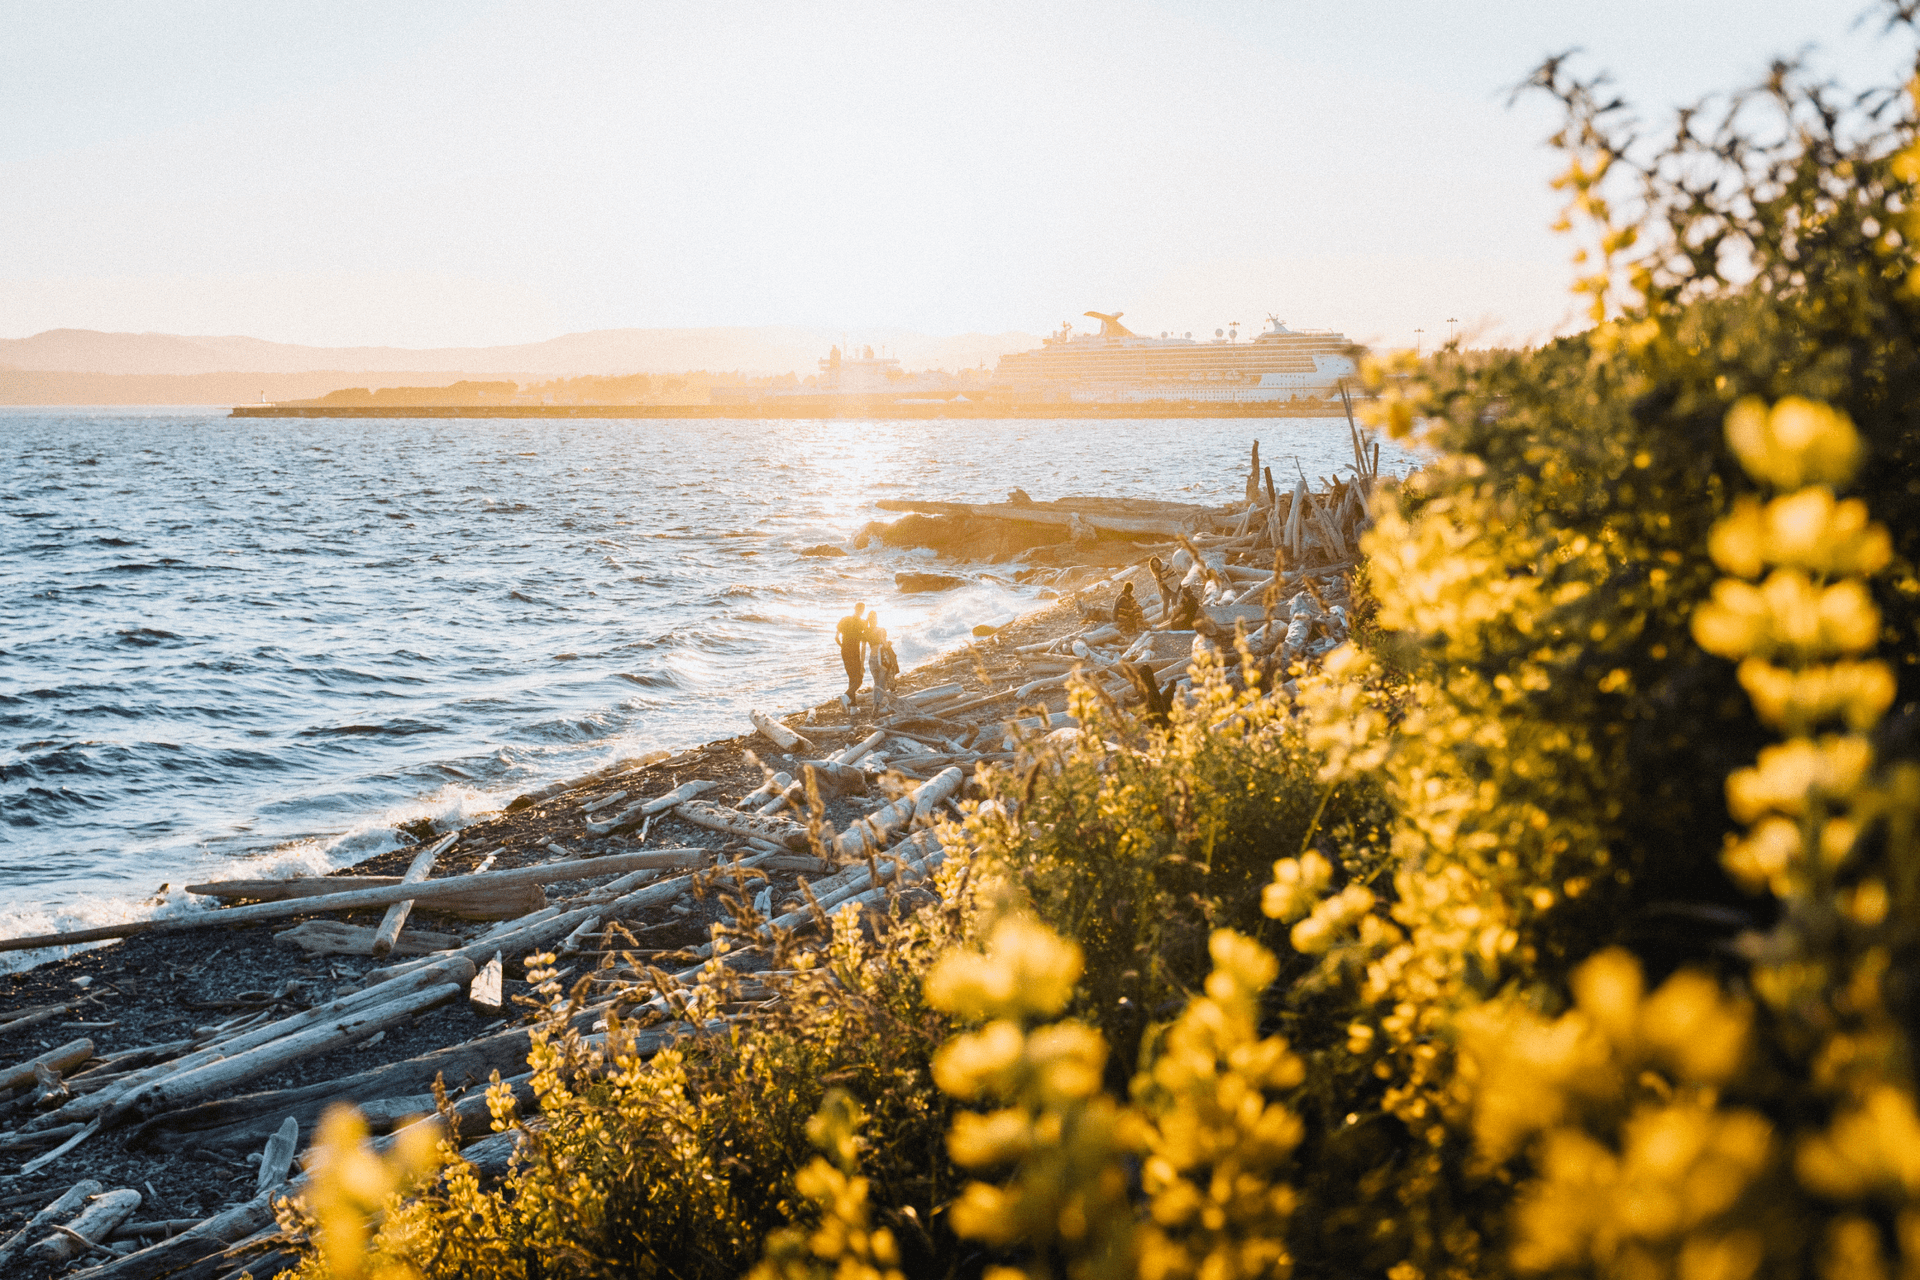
(428, 174)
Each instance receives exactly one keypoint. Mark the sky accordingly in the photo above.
(438, 174)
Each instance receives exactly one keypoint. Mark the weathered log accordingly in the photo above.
(24, 1018)
(337, 938)
(63, 1059)
(612, 797)
(914, 859)
(860, 748)
(484, 995)
(939, 692)
(780, 831)
(276, 1160)
(777, 733)
(68, 1204)
(210, 1237)
(93, 1104)
(184, 1087)
(479, 904)
(243, 1122)
(153, 1227)
(95, 1223)
(873, 831)
(835, 779)
(425, 892)
(647, 808)
(601, 903)
(396, 918)
(773, 786)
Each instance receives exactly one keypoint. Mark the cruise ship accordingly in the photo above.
(1117, 365)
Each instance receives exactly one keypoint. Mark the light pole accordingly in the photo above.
(1453, 332)
(1416, 342)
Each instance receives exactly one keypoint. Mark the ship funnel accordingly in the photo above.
(1110, 326)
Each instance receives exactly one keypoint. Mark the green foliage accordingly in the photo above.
(1566, 923)
(683, 1164)
(1140, 853)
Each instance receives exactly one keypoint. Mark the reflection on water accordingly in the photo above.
(268, 640)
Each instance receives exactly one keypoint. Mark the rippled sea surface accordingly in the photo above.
(252, 646)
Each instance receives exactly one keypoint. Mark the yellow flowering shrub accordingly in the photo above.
(1563, 923)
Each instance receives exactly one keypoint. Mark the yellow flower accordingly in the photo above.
(1798, 442)
(1028, 970)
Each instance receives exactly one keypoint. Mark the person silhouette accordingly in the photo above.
(852, 633)
(882, 660)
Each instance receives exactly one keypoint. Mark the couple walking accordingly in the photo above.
(862, 630)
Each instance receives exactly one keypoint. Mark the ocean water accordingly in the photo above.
(250, 647)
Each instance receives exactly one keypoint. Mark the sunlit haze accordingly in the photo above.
(457, 174)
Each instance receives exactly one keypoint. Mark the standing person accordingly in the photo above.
(883, 661)
(852, 633)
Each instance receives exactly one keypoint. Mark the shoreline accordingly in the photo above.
(160, 994)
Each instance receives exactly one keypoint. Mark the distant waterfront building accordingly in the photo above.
(864, 374)
(1118, 365)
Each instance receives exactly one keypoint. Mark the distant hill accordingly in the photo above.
(40, 387)
(756, 351)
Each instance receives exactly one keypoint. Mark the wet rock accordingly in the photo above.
(927, 581)
(824, 551)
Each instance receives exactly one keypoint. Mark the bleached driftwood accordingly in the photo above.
(94, 1224)
(276, 1160)
(601, 902)
(93, 1104)
(337, 938)
(612, 797)
(183, 1087)
(773, 786)
(63, 1059)
(779, 831)
(486, 903)
(777, 733)
(914, 859)
(647, 808)
(860, 748)
(873, 831)
(63, 1208)
(396, 918)
(938, 693)
(484, 995)
(425, 892)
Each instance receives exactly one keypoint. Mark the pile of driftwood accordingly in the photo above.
(200, 1092)
(1272, 574)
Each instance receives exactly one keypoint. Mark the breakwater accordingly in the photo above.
(808, 408)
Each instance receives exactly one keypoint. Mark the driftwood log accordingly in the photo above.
(780, 831)
(244, 1122)
(69, 1203)
(337, 938)
(486, 903)
(93, 1104)
(600, 903)
(63, 1059)
(94, 1224)
(179, 1088)
(874, 830)
(777, 733)
(425, 892)
(647, 808)
(396, 918)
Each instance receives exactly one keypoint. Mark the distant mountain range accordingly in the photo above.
(758, 351)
